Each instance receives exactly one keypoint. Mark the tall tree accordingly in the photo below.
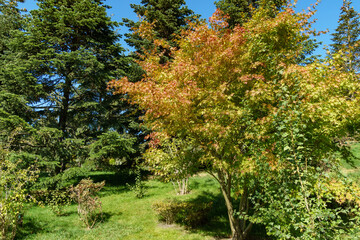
(73, 51)
(237, 93)
(75, 54)
(240, 11)
(346, 37)
(169, 18)
(16, 86)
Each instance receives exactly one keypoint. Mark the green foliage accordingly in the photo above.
(55, 108)
(304, 208)
(89, 205)
(16, 82)
(300, 198)
(14, 131)
(57, 200)
(169, 18)
(112, 149)
(72, 52)
(194, 214)
(346, 37)
(190, 214)
(175, 160)
(167, 210)
(14, 183)
(240, 11)
(138, 188)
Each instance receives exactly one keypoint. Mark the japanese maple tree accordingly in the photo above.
(240, 94)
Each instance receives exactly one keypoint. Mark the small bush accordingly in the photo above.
(14, 183)
(167, 210)
(89, 206)
(139, 187)
(193, 214)
(57, 200)
(190, 214)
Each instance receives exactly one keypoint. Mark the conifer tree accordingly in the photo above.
(73, 51)
(169, 18)
(240, 10)
(346, 37)
(16, 86)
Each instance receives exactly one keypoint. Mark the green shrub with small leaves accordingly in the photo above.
(89, 205)
(189, 214)
(57, 200)
(139, 187)
(14, 183)
(167, 211)
(194, 214)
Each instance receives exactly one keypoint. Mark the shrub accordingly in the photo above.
(89, 205)
(167, 210)
(194, 214)
(174, 160)
(13, 195)
(190, 214)
(57, 200)
(139, 187)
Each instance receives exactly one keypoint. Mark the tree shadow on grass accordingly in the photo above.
(115, 182)
(114, 179)
(30, 226)
(218, 225)
(106, 216)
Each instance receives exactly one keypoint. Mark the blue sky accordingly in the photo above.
(327, 14)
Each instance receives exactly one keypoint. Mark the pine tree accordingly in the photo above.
(16, 86)
(239, 11)
(169, 18)
(73, 52)
(346, 37)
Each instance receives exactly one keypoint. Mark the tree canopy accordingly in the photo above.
(240, 11)
(234, 91)
(346, 37)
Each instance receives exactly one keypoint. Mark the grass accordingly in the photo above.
(351, 167)
(125, 217)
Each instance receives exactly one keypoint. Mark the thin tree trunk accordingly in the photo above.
(63, 117)
(239, 228)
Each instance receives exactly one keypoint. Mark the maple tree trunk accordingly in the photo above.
(182, 186)
(239, 228)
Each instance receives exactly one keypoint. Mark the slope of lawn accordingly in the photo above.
(128, 218)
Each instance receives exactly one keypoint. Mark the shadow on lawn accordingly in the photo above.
(115, 182)
(114, 179)
(218, 225)
(29, 226)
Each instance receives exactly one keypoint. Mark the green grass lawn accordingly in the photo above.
(351, 167)
(126, 217)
